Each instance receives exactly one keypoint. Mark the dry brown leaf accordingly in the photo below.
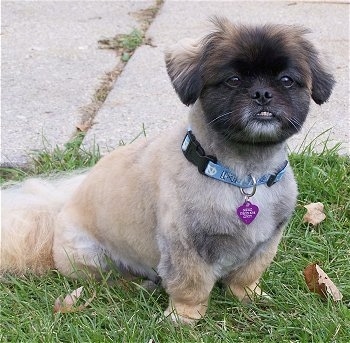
(67, 305)
(319, 282)
(314, 214)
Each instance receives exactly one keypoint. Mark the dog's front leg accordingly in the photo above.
(244, 282)
(188, 280)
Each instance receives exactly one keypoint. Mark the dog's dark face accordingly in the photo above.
(254, 83)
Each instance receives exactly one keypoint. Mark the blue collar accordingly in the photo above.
(209, 166)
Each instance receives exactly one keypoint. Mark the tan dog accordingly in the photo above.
(191, 207)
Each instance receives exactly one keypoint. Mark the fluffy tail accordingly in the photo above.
(28, 213)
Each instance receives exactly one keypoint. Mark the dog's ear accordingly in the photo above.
(322, 80)
(182, 63)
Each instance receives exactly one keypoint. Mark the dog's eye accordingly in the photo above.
(287, 81)
(233, 81)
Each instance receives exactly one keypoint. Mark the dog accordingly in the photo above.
(206, 201)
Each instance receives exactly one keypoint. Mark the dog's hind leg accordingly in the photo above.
(76, 253)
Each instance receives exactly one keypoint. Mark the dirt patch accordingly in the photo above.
(146, 16)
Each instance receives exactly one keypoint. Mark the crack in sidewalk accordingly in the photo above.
(124, 51)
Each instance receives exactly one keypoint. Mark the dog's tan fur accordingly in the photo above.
(146, 209)
(28, 216)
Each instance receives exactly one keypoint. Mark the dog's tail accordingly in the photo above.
(28, 214)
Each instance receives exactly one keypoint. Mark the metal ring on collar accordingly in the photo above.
(254, 188)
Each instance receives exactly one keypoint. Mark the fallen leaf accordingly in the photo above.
(67, 305)
(319, 282)
(314, 214)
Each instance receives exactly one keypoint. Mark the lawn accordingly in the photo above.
(126, 312)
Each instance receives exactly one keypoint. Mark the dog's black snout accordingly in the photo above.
(261, 96)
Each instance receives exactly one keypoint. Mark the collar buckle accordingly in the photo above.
(194, 152)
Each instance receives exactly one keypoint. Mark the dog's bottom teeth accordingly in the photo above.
(265, 114)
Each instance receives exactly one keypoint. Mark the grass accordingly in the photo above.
(126, 44)
(128, 313)
(56, 159)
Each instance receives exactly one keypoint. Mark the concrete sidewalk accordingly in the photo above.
(51, 66)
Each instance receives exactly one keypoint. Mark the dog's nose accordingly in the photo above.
(261, 96)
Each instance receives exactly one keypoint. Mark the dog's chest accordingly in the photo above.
(224, 239)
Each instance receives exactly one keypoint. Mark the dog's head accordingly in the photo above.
(254, 83)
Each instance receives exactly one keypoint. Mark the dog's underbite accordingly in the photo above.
(206, 201)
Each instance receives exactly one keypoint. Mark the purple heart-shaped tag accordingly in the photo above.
(247, 212)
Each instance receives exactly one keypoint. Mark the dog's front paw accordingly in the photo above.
(177, 318)
(185, 314)
(248, 294)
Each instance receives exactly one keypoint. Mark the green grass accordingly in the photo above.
(126, 44)
(56, 159)
(128, 313)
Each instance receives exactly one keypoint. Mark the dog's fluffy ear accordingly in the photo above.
(322, 80)
(182, 62)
